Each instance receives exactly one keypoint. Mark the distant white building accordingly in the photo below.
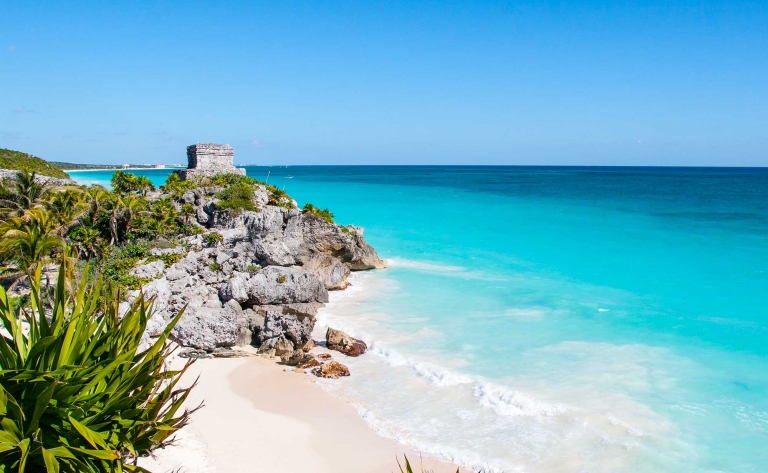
(159, 166)
(126, 166)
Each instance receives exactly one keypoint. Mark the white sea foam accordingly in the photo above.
(434, 374)
(423, 265)
(416, 396)
(508, 402)
(466, 458)
(526, 313)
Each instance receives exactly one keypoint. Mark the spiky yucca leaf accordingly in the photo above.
(409, 469)
(76, 393)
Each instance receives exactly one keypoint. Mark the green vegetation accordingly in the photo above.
(281, 278)
(18, 161)
(237, 198)
(77, 167)
(211, 238)
(127, 183)
(409, 469)
(76, 392)
(177, 187)
(168, 259)
(119, 261)
(214, 267)
(252, 268)
(324, 214)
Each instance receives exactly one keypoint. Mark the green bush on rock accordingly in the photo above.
(211, 238)
(324, 214)
(236, 198)
(76, 392)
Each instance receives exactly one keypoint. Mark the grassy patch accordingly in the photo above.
(236, 198)
(168, 259)
(211, 238)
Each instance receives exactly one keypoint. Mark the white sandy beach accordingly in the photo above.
(260, 416)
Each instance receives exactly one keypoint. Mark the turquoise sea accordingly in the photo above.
(555, 319)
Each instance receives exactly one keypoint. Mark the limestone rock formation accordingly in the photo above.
(332, 369)
(148, 270)
(39, 178)
(340, 341)
(206, 328)
(331, 272)
(287, 326)
(263, 282)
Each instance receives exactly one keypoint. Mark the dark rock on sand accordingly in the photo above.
(332, 369)
(340, 341)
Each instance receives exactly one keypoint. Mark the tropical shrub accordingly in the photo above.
(77, 391)
(236, 198)
(177, 187)
(226, 180)
(324, 214)
(120, 260)
(127, 183)
(211, 238)
(28, 240)
(21, 194)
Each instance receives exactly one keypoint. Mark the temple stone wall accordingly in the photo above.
(210, 159)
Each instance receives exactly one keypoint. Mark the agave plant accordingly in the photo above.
(409, 469)
(77, 391)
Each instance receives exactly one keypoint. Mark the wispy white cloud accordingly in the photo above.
(22, 110)
(12, 48)
(257, 144)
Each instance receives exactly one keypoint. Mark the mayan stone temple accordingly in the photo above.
(209, 159)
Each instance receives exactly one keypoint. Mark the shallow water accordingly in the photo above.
(556, 319)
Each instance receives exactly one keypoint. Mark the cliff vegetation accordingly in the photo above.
(18, 161)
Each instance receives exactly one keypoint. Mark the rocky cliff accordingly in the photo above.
(261, 283)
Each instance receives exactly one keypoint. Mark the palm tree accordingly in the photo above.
(87, 241)
(132, 206)
(143, 184)
(29, 240)
(115, 208)
(68, 207)
(24, 194)
(164, 213)
(96, 195)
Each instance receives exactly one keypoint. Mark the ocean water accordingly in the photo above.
(550, 319)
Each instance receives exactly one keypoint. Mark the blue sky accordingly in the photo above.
(388, 82)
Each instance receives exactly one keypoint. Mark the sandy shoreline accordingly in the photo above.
(263, 416)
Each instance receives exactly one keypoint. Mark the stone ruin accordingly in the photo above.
(209, 159)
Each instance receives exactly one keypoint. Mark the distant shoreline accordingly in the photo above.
(122, 169)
